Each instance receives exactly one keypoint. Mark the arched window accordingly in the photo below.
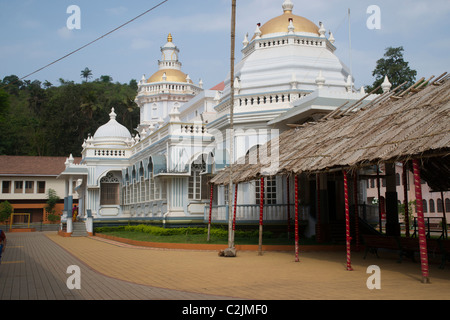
(151, 181)
(431, 205)
(425, 206)
(196, 181)
(447, 205)
(439, 205)
(109, 190)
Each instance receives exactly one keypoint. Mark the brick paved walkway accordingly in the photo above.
(34, 267)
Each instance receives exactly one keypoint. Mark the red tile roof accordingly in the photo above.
(33, 166)
(219, 86)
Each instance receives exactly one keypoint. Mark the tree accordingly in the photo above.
(395, 68)
(86, 74)
(47, 84)
(52, 200)
(106, 79)
(5, 211)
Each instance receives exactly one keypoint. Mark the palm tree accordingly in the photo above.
(86, 73)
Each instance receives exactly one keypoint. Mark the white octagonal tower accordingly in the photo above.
(165, 91)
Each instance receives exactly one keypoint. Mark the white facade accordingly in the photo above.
(288, 74)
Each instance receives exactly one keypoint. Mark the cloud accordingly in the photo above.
(64, 33)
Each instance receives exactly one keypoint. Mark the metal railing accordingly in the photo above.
(432, 225)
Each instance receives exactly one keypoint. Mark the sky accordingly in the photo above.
(35, 33)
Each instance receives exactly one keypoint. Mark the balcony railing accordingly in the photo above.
(249, 213)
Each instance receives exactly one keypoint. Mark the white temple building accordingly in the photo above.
(289, 74)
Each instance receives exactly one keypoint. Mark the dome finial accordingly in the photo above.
(386, 85)
(288, 6)
(112, 115)
(169, 38)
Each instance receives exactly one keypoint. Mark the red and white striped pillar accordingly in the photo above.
(235, 205)
(261, 209)
(405, 200)
(210, 211)
(319, 219)
(288, 207)
(347, 222)
(296, 218)
(421, 223)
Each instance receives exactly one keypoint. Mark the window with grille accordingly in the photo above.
(109, 190)
(151, 188)
(270, 190)
(432, 205)
(142, 187)
(195, 181)
(41, 187)
(6, 187)
(18, 187)
(157, 189)
(29, 186)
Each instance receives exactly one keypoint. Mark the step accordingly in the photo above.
(79, 229)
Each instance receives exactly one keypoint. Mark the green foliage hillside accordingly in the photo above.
(42, 119)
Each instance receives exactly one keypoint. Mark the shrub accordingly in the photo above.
(160, 231)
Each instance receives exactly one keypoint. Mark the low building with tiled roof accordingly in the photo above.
(25, 181)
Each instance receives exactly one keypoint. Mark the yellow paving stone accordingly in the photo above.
(274, 275)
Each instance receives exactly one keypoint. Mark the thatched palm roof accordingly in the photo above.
(398, 126)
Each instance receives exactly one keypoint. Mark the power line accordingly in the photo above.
(88, 44)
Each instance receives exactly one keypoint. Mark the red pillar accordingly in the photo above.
(319, 222)
(355, 191)
(296, 218)
(421, 223)
(261, 209)
(405, 200)
(380, 205)
(288, 207)
(444, 218)
(347, 222)
(210, 210)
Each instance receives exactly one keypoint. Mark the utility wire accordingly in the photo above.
(88, 44)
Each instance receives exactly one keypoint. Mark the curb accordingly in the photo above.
(218, 247)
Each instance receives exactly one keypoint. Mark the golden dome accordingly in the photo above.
(173, 75)
(281, 23)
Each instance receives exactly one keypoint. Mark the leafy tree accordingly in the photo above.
(86, 74)
(52, 200)
(43, 120)
(106, 79)
(12, 84)
(5, 211)
(47, 84)
(395, 68)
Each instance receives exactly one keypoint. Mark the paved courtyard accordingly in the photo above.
(34, 267)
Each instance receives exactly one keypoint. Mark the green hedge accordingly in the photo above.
(159, 231)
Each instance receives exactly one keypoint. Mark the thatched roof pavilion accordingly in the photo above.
(398, 126)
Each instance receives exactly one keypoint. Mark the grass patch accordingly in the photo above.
(218, 235)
